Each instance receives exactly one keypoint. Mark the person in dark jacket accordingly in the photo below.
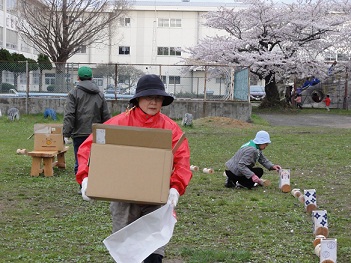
(84, 106)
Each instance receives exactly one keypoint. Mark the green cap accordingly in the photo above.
(85, 72)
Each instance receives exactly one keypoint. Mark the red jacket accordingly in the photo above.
(181, 174)
(327, 101)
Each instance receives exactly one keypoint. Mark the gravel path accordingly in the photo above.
(320, 120)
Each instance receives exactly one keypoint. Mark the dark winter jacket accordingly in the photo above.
(85, 105)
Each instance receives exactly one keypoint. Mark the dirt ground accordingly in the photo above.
(276, 119)
(221, 122)
(319, 120)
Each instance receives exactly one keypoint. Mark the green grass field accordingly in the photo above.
(45, 220)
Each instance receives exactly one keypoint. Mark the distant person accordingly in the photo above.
(298, 101)
(315, 97)
(50, 113)
(241, 170)
(85, 105)
(327, 102)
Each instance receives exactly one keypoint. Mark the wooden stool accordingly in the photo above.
(49, 162)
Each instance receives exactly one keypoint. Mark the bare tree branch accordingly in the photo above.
(57, 28)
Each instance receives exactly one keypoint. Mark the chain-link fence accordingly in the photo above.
(209, 82)
(118, 81)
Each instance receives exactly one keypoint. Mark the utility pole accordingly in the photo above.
(345, 106)
(154, 39)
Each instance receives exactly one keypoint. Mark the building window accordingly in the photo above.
(22, 78)
(50, 78)
(175, 22)
(9, 78)
(169, 22)
(11, 5)
(175, 51)
(164, 79)
(163, 22)
(220, 80)
(124, 21)
(123, 50)
(342, 57)
(81, 49)
(169, 51)
(24, 46)
(99, 81)
(174, 79)
(162, 51)
(11, 39)
(35, 78)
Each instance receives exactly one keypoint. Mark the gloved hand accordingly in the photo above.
(256, 179)
(67, 140)
(84, 189)
(173, 197)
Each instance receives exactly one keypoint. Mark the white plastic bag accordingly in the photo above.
(135, 242)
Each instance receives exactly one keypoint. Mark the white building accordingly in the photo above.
(151, 33)
(158, 33)
(9, 37)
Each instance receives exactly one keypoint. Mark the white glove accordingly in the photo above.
(67, 140)
(84, 189)
(173, 197)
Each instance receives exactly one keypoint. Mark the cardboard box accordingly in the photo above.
(130, 164)
(48, 137)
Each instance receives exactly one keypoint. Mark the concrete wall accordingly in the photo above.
(198, 108)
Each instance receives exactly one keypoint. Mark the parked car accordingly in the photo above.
(257, 92)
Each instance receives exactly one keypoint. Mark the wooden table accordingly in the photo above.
(45, 161)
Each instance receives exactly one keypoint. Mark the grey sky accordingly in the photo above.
(207, 1)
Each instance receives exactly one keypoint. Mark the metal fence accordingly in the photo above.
(209, 82)
(202, 82)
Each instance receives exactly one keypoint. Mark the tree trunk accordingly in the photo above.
(60, 84)
(272, 95)
(41, 81)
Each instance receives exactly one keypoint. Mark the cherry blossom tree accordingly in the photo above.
(277, 41)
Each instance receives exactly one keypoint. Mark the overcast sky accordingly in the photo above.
(215, 1)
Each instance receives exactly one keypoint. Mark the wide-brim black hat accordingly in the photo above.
(151, 85)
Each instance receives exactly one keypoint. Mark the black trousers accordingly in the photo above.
(153, 258)
(242, 179)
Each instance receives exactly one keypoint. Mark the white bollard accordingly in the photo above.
(194, 168)
(208, 171)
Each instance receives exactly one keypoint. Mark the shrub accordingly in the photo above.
(51, 88)
(5, 87)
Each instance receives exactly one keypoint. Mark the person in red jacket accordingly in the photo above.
(327, 102)
(147, 102)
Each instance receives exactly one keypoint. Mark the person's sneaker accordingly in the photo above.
(229, 183)
(238, 185)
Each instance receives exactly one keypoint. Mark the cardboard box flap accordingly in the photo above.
(48, 128)
(132, 136)
(179, 142)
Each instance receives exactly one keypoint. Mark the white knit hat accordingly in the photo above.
(262, 137)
